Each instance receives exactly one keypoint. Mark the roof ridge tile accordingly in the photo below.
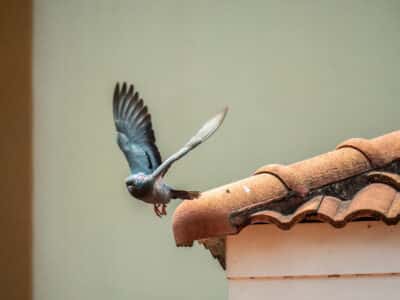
(288, 177)
(341, 172)
(366, 147)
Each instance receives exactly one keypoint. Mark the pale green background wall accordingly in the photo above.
(299, 77)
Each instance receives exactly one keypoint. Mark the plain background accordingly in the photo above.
(299, 77)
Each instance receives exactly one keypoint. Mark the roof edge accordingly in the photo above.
(209, 215)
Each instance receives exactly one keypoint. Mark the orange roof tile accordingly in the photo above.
(359, 179)
(337, 212)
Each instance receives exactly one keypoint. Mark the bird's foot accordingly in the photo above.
(157, 210)
(160, 209)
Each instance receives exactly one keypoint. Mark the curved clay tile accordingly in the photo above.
(374, 200)
(315, 188)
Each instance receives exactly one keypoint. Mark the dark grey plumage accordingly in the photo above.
(135, 133)
(135, 137)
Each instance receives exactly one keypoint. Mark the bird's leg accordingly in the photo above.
(157, 210)
(164, 209)
(160, 209)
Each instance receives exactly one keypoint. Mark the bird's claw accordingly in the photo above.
(160, 209)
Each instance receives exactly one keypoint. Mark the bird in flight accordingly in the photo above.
(135, 137)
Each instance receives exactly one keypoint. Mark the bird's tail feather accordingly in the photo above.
(187, 195)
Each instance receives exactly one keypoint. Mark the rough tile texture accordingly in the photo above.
(358, 180)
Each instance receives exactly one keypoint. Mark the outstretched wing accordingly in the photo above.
(202, 135)
(135, 133)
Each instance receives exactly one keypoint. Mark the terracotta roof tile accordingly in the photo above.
(337, 212)
(359, 179)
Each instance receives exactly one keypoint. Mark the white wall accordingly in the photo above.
(327, 289)
(359, 261)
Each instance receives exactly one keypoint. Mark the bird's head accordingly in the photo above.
(135, 183)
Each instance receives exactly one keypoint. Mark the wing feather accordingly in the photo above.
(135, 133)
(201, 136)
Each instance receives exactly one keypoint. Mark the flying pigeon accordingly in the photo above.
(135, 137)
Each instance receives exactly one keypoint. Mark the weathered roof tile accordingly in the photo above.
(359, 179)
